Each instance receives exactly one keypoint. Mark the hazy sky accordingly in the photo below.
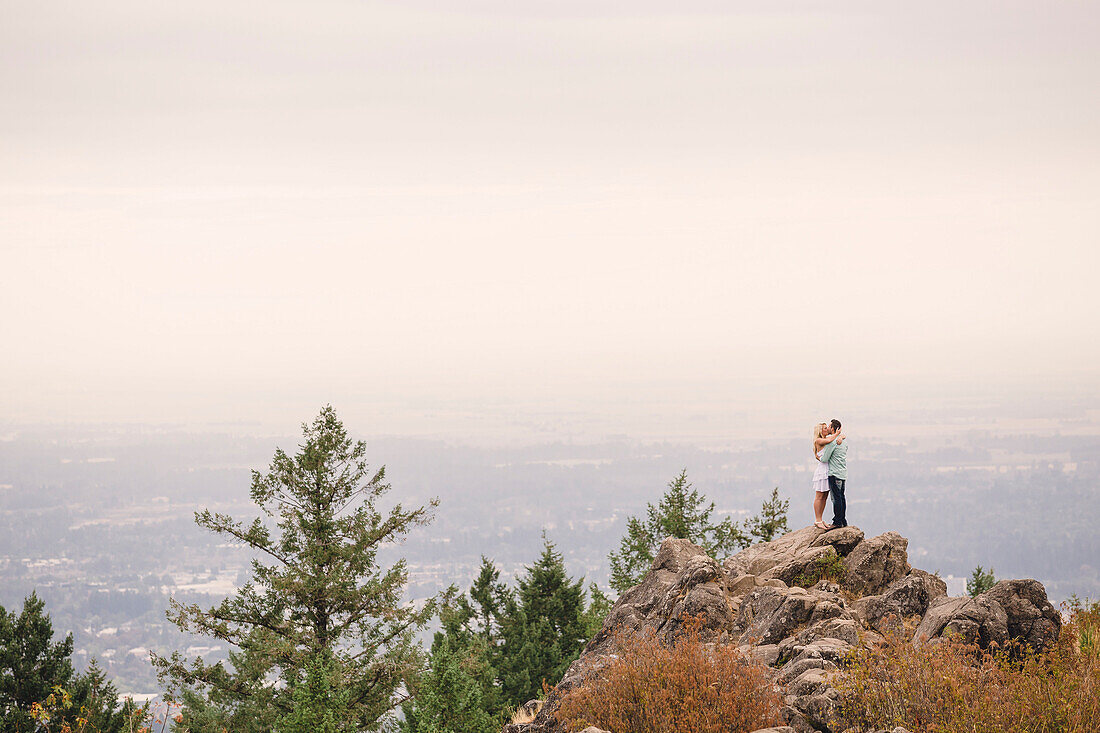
(229, 210)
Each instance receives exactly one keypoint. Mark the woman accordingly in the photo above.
(821, 474)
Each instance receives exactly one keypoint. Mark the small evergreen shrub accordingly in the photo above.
(688, 687)
(830, 567)
(980, 581)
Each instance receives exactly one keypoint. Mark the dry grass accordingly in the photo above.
(525, 714)
(952, 687)
(684, 688)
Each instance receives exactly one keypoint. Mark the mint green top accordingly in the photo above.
(837, 456)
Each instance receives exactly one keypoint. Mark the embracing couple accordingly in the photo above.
(831, 453)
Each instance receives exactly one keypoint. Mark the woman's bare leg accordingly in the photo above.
(820, 499)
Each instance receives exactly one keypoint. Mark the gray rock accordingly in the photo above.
(747, 601)
(790, 557)
(842, 539)
(811, 682)
(802, 565)
(830, 650)
(763, 556)
(825, 610)
(843, 629)
(972, 620)
(796, 720)
(818, 709)
(678, 564)
(698, 593)
(1032, 620)
(904, 598)
(741, 585)
(876, 563)
(766, 654)
(768, 615)
(792, 669)
(531, 707)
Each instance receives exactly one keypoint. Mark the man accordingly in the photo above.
(836, 455)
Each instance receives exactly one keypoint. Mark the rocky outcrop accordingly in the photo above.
(754, 600)
(1031, 618)
(1014, 612)
(684, 583)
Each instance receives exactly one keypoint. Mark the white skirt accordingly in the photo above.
(821, 478)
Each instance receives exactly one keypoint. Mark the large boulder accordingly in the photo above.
(818, 710)
(876, 563)
(786, 556)
(971, 620)
(903, 599)
(683, 583)
(800, 570)
(699, 595)
(1015, 611)
(1032, 619)
(841, 539)
(768, 615)
(843, 629)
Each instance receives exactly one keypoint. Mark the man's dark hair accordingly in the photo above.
(835, 424)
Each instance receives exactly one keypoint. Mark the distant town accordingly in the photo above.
(99, 520)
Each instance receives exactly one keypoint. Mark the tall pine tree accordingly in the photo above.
(543, 628)
(31, 663)
(321, 620)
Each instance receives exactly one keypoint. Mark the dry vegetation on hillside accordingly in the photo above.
(688, 687)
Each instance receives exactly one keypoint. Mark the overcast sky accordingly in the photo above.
(229, 210)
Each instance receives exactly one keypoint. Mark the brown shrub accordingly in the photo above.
(688, 687)
(951, 687)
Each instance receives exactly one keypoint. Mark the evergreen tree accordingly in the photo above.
(543, 628)
(95, 699)
(471, 632)
(36, 671)
(31, 664)
(772, 519)
(488, 595)
(682, 512)
(318, 603)
(980, 581)
(449, 698)
(319, 702)
(504, 642)
(599, 605)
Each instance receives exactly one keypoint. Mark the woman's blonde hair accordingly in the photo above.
(817, 430)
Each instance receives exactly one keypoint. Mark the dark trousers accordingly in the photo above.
(840, 506)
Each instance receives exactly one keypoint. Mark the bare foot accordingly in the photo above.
(820, 524)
